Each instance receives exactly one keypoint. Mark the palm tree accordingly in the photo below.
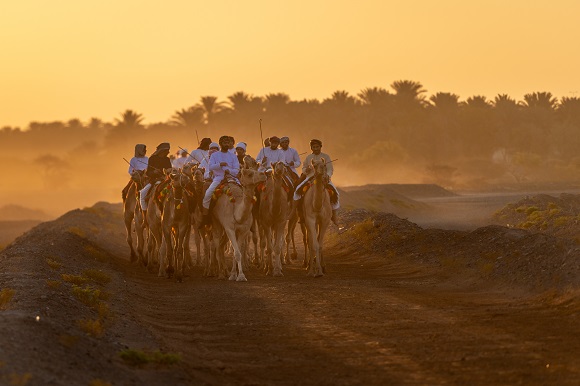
(445, 101)
(409, 93)
(478, 102)
(129, 120)
(504, 101)
(211, 107)
(375, 96)
(543, 100)
(340, 99)
(189, 118)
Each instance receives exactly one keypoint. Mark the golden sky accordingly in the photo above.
(63, 59)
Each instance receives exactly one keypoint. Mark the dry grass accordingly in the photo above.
(92, 327)
(89, 296)
(74, 279)
(139, 358)
(77, 231)
(68, 341)
(53, 284)
(6, 295)
(96, 253)
(97, 276)
(52, 263)
(20, 379)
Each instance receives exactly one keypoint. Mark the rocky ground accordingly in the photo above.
(399, 305)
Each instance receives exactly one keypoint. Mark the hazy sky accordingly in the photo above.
(63, 59)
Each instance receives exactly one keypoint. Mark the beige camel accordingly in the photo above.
(317, 215)
(132, 211)
(274, 211)
(232, 219)
(176, 224)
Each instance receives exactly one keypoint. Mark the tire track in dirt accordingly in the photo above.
(367, 322)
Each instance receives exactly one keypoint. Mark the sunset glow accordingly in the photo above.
(76, 59)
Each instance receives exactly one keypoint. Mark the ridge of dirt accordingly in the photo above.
(538, 262)
(558, 216)
(399, 305)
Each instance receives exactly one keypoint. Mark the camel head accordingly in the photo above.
(178, 177)
(250, 163)
(189, 168)
(138, 176)
(319, 167)
(198, 174)
(278, 169)
(251, 177)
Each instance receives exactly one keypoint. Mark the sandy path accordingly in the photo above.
(366, 322)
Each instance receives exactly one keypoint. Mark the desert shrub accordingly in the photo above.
(562, 220)
(553, 205)
(53, 284)
(6, 295)
(97, 276)
(521, 209)
(52, 263)
(531, 210)
(89, 296)
(20, 379)
(96, 253)
(77, 231)
(365, 231)
(74, 279)
(91, 327)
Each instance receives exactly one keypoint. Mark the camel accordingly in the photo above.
(132, 211)
(274, 213)
(232, 217)
(317, 214)
(156, 245)
(176, 224)
(196, 217)
(250, 163)
(292, 222)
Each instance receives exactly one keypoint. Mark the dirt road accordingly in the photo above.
(370, 320)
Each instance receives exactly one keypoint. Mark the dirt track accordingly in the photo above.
(370, 320)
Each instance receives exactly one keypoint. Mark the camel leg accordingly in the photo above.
(169, 255)
(322, 231)
(188, 263)
(237, 260)
(306, 246)
(197, 239)
(313, 245)
(289, 257)
(278, 245)
(255, 232)
(268, 252)
(128, 228)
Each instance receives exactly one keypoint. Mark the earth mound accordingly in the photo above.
(558, 216)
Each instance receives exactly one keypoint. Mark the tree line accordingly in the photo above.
(440, 134)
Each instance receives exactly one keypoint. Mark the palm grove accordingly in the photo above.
(437, 138)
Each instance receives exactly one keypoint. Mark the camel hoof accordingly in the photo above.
(232, 277)
(319, 274)
(278, 274)
(241, 277)
(310, 274)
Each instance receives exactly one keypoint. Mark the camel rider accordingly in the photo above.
(289, 155)
(232, 148)
(213, 147)
(138, 162)
(308, 172)
(241, 152)
(200, 153)
(158, 161)
(181, 159)
(222, 164)
(269, 155)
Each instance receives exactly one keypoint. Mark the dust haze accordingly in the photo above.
(396, 135)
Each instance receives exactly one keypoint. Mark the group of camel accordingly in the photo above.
(238, 220)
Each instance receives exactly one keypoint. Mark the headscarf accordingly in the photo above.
(274, 138)
(242, 145)
(213, 144)
(140, 150)
(284, 139)
(162, 146)
(204, 144)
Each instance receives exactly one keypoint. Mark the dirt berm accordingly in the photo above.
(398, 305)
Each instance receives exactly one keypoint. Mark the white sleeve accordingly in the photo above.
(296, 158)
